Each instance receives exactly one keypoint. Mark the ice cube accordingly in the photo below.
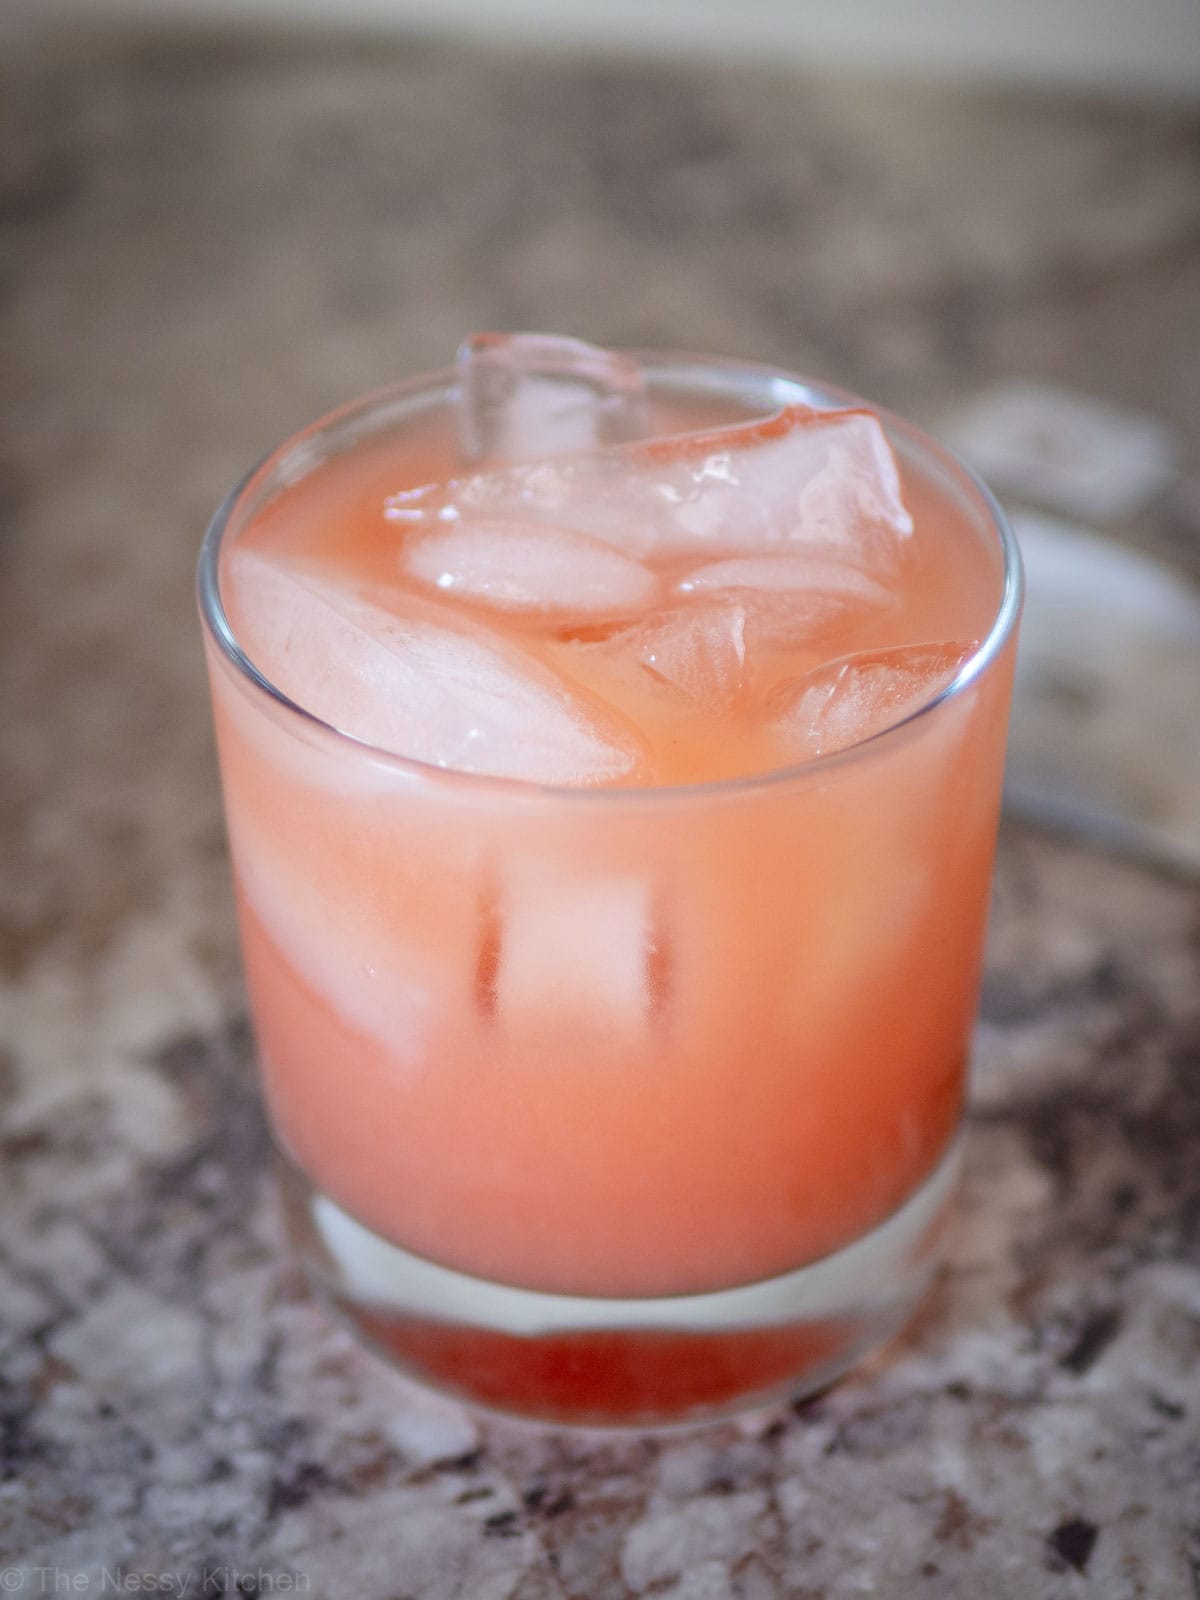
(788, 574)
(800, 478)
(583, 950)
(791, 598)
(408, 680)
(527, 568)
(698, 651)
(382, 983)
(527, 396)
(847, 701)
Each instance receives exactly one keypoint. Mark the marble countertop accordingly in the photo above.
(204, 243)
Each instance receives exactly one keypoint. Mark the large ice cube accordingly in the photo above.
(381, 982)
(800, 478)
(847, 701)
(698, 652)
(410, 681)
(583, 950)
(790, 598)
(527, 396)
(701, 651)
(528, 568)
(790, 575)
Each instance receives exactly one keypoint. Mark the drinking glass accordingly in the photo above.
(615, 1106)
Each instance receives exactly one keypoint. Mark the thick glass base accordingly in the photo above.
(628, 1363)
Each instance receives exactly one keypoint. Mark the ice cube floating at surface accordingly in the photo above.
(406, 679)
(791, 598)
(532, 395)
(699, 651)
(802, 478)
(794, 576)
(846, 701)
(532, 569)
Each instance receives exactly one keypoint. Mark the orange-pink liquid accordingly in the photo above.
(796, 1068)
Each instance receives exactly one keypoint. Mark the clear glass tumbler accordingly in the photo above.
(615, 1105)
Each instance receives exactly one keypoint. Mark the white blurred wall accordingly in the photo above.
(1113, 44)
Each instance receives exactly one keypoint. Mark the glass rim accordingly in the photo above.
(791, 387)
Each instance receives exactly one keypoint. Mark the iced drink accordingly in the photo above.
(612, 754)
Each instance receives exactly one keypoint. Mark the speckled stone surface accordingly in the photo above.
(203, 245)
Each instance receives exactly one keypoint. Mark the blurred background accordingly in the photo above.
(221, 218)
(1096, 43)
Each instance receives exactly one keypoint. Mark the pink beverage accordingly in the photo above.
(612, 752)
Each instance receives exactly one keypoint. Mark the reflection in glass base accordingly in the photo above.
(632, 1363)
